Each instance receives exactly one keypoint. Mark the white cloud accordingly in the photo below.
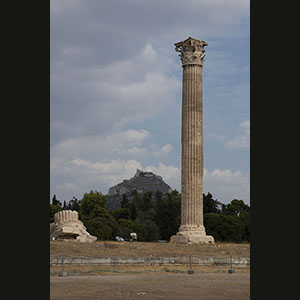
(112, 167)
(120, 144)
(112, 68)
(170, 174)
(137, 20)
(104, 146)
(60, 7)
(105, 98)
(136, 136)
(226, 185)
(67, 186)
(216, 137)
(132, 70)
(165, 150)
(98, 162)
(241, 141)
(84, 175)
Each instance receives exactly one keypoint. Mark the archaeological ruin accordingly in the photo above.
(67, 226)
(192, 229)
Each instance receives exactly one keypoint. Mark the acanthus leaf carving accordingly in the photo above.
(191, 51)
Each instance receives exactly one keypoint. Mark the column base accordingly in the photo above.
(188, 234)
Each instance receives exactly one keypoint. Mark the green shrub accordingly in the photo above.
(224, 227)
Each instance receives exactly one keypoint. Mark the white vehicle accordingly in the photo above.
(133, 236)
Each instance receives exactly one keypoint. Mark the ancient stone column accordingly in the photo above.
(67, 226)
(191, 229)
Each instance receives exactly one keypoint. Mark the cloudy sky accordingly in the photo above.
(115, 99)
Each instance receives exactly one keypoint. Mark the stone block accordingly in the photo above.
(66, 226)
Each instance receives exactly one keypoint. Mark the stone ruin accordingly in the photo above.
(67, 226)
(192, 228)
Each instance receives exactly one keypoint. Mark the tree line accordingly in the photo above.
(157, 219)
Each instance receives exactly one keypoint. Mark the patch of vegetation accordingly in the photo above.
(158, 219)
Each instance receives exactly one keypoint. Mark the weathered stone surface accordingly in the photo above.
(189, 237)
(179, 238)
(192, 229)
(67, 226)
(191, 51)
(141, 182)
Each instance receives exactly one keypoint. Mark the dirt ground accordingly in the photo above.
(203, 286)
(140, 249)
(78, 270)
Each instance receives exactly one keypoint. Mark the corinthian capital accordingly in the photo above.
(191, 51)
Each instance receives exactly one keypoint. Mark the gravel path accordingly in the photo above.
(203, 286)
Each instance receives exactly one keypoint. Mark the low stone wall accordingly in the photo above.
(149, 260)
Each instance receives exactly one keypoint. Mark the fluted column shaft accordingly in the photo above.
(191, 229)
(65, 216)
(191, 147)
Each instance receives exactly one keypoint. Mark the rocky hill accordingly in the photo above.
(141, 182)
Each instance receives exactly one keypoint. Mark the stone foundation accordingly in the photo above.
(191, 238)
(66, 226)
(192, 235)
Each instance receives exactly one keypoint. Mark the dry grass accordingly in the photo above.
(167, 282)
(140, 249)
